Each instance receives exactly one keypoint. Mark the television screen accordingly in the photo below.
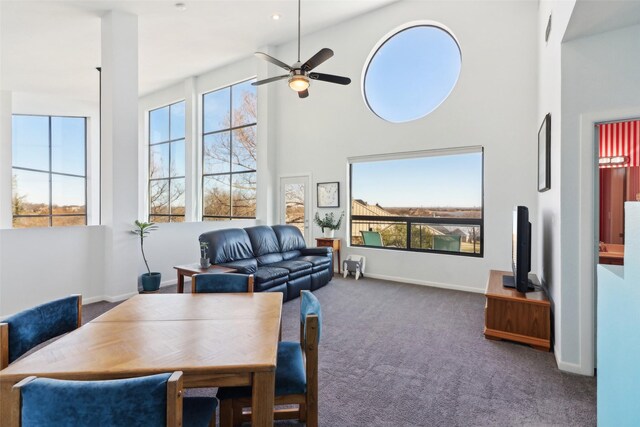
(521, 250)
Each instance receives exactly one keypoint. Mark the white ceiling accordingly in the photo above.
(54, 46)
(591, 17)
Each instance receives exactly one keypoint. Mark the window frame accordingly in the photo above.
(418, 220)
(384, 40)
(169, 178)
(231, 173)
(50, 174)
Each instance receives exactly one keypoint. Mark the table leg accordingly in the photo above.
(180, 282)
(263, 399)
(338, 251)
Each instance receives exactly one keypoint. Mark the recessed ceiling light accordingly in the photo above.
(275, 16)
(181, 7)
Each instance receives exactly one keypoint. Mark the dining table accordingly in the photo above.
(216, 340)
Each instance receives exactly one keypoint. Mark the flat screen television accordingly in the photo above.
(520, 251)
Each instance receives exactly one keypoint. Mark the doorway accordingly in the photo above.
(295, 203)
(619, 182)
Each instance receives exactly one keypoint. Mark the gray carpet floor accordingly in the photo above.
(396, 355)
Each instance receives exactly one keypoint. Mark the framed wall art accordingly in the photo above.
(328, 194)
(544, 154)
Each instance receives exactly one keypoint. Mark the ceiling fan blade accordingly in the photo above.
(269, 80)
(273, 60)
(330, 78)
(303, 93)
(317, 59)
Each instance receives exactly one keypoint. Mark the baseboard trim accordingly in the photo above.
(573, 368)
(425, 283)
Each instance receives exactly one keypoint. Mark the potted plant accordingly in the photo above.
(204, 255)
(328, 224)
(150, 280)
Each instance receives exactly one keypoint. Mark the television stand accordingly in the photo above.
(508, 281)
(515, 316)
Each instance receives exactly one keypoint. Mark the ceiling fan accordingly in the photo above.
(300, 74)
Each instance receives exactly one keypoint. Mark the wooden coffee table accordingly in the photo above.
(191, 269)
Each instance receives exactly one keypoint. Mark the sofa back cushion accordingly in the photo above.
(265, 244)
(290, 239)
(226, 245)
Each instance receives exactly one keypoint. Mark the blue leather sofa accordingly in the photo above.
(277, 256)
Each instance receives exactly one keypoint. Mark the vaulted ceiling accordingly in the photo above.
(54, 46)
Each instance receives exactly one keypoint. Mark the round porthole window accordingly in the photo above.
(411, 72)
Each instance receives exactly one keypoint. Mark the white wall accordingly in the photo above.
(493, 105)
(41, 264)
(549, 214)
(599, 83)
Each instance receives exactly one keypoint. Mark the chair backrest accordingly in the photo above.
(23, 331)
(221, 283)
(310, 333)
(154, 400)
(446, 243)
(371, 238)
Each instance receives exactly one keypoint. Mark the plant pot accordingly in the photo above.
(150, 282)
(204, 263)
(329, 233)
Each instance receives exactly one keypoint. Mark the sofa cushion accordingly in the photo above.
(315, 260)
(265, 244)
(243, 266)
(266, 274)
(290, 237)
(290, 375)
(291, 254)
(296, 268)
(227, 245)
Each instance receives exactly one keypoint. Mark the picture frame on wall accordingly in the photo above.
(328, 194)
(544, 155)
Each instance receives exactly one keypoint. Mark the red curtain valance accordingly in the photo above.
(620, 139)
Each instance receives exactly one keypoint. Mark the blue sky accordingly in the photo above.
(412, 73)
(437, 181)
(31, 150)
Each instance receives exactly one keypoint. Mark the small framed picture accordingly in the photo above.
(328, 194)
(544, 155)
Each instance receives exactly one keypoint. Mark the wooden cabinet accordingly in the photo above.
(330, 243)
(516, 316)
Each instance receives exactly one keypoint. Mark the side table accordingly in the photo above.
(330, 243)
(191, 269)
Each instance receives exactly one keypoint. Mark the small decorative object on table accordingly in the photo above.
(353, 264)
(328, 224)
(204, 255)
(150, 280)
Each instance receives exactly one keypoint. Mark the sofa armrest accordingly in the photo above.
(322, 251)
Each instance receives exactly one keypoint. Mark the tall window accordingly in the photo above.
(229, 153)
(166, 163)
(428, 202)
(49, 171)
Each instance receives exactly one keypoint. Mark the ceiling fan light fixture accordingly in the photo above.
(299, 83)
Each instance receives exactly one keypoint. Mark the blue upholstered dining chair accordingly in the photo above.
(154, 400)
(23, 331)
(221, 283)
(296, 374)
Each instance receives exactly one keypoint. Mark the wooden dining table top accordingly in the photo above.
(199, 334)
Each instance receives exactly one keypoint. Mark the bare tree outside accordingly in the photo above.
(230, 159)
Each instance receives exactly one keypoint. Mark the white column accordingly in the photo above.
(267, 197)
(120, 152)
(191, 155)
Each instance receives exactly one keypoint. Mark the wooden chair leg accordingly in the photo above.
(237, 413)
(226, 413)
(303, 412)
(312, 413)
